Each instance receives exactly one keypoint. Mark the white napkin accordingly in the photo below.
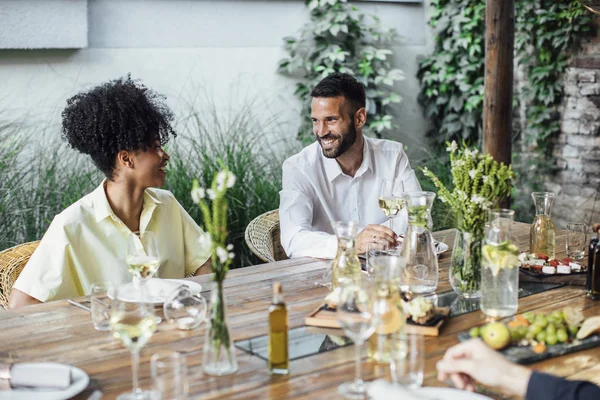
(40, 375)
(161, 288)
(383, 390)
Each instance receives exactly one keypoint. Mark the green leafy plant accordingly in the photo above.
(478, 183)
(452, 77)
(339, 38)
(545, 33)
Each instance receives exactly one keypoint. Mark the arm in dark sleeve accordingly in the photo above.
(548, 387)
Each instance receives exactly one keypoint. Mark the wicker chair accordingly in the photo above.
(263, 237)
(12, 262)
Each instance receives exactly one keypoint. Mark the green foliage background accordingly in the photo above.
(339, 38)
(452, 79)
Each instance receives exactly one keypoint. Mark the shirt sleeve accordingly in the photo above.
(50, 274)
(548, 387)
(195, 254)
(296, 216)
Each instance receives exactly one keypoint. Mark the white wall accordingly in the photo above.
(182, 48)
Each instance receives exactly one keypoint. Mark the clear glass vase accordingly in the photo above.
(346, 265)
(420, 272)
(219, 351)
(465, 268)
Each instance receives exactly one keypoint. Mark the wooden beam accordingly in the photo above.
(499, 46)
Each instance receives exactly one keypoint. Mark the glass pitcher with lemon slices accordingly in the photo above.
(500, 266)
(387, 266)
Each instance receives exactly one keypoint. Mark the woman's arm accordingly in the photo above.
(19, 299)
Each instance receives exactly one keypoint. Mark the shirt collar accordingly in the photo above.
(102, 207)
(333, 169)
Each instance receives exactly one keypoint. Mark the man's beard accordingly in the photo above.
(347, 140)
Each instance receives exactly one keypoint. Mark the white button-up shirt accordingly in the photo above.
(316, 193)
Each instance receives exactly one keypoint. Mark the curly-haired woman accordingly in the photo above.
(122, 126)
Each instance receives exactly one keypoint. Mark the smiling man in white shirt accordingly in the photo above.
(338, 178)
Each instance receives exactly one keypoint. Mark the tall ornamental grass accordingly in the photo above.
(39, 179)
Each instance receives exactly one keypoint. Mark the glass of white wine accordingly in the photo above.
(134, 324)
(358, 316)
(142, 256)
(390, 200)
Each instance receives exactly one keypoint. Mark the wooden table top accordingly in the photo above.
(60, 332)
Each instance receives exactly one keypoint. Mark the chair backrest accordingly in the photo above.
(12, 262)
(263, 237)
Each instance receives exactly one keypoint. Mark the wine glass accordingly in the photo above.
(358, 317)
(390, 201)
(134, 324)
(142, 256)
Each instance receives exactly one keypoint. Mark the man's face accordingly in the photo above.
(332, 125)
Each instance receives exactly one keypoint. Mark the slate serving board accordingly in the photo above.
(526, 355)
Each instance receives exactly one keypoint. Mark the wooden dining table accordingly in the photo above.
(59, 332)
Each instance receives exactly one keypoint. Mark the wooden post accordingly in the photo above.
(499, 47)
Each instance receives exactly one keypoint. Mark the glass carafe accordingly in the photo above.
(542, 237)
(420, 272)
(346, 265)
(392, 322)
(500, 266)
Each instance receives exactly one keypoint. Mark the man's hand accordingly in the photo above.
(381, 235)
(474, 361)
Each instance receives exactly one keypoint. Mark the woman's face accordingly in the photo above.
(150, 166)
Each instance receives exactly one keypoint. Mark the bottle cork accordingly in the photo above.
(277, 288)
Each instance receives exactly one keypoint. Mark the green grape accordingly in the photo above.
(529, 316)
(550, 329)
(530, 335)
(522, 331)
(541, 337)
(573, 330)
(562, 335)
(515, 336)
(551, 340)
(474, 332)
(535, 329)
(558, 316)
(541, 321)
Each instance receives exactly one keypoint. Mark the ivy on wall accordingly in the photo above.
(452, 84)
(339, 38)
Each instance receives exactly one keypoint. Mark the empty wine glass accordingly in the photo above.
(142, 256)
(186, 309)
(390, 200)
(134, 324)
(358, 317)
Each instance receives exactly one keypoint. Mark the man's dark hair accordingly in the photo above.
(339, 84)
(118, 115)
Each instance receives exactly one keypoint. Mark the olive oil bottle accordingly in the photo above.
(278, 334)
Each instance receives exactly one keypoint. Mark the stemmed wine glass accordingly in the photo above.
(134, 324)
(390, 200)
(142, 256)
(358, 317)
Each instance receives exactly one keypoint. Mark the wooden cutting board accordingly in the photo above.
(325, 317)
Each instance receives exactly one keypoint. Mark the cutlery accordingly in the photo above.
(76, 304)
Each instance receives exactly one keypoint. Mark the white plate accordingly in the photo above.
(79, 381)
(157, 290)
(449, 394)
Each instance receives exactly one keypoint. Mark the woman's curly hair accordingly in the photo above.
(122, 114)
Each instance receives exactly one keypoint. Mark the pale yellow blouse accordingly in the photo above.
(87, 244)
